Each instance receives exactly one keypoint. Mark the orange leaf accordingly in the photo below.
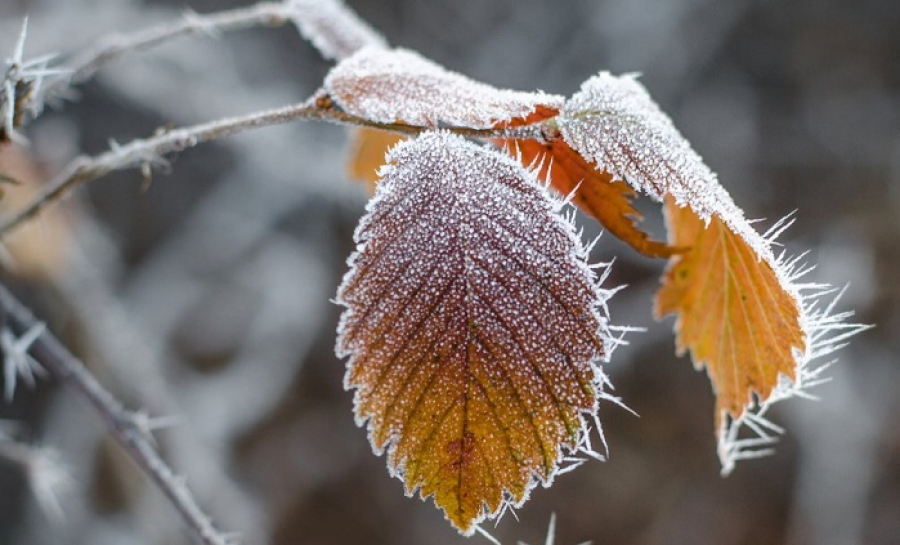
(367, 150)
(401, 86)
(606, 200)
(735, 315)
(473, 327)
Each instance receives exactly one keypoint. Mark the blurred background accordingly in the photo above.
(205, 295)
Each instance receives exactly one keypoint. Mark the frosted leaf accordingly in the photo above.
(474, 328)
(401, 86)
(333, 28)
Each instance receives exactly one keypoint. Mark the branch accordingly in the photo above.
(146, 153)
(129, 429)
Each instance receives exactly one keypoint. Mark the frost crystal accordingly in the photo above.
(401, 86)
(474, 326)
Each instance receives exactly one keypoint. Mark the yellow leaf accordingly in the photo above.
(734, 315)
(473, 328)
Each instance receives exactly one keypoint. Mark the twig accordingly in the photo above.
(125, 426)
(81, 67)
(150, 151)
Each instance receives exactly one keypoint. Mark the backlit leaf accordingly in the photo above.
(401, 86)
(474, 328)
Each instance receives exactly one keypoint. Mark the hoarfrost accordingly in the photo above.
(401, 86)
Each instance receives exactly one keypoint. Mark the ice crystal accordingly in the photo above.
(401, 86)
(474, 326)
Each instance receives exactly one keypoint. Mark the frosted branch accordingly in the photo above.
(129, 429)
(149, 152)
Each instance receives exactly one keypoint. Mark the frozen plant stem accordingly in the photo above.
(125, 426)
(149, 152)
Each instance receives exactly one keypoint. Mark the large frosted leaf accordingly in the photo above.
(473, 326)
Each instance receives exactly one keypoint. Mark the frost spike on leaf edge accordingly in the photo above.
(447, 291)
(613, 122)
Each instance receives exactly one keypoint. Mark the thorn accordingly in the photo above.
(16, 360)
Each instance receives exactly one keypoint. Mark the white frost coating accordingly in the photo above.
(462, 254)
(614, 122)
(333, 28)
(401, 86)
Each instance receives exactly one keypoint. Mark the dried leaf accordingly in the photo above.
(473, 326)
(401, 86)
(367, 150)
(606, 200)
(734, 313)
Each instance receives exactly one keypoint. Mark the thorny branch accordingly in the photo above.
(130, 429)
(149, 152)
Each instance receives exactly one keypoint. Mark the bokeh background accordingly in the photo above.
(206, 293)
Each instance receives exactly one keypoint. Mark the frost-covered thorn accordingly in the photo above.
(16, 360)
(147, 425)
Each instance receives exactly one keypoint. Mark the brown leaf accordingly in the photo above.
(734, 313)
(606, 200)
(473, 327)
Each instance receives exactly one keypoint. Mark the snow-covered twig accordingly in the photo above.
(130, 429)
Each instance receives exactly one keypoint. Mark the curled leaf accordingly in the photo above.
(401, 86)
(474, 328)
